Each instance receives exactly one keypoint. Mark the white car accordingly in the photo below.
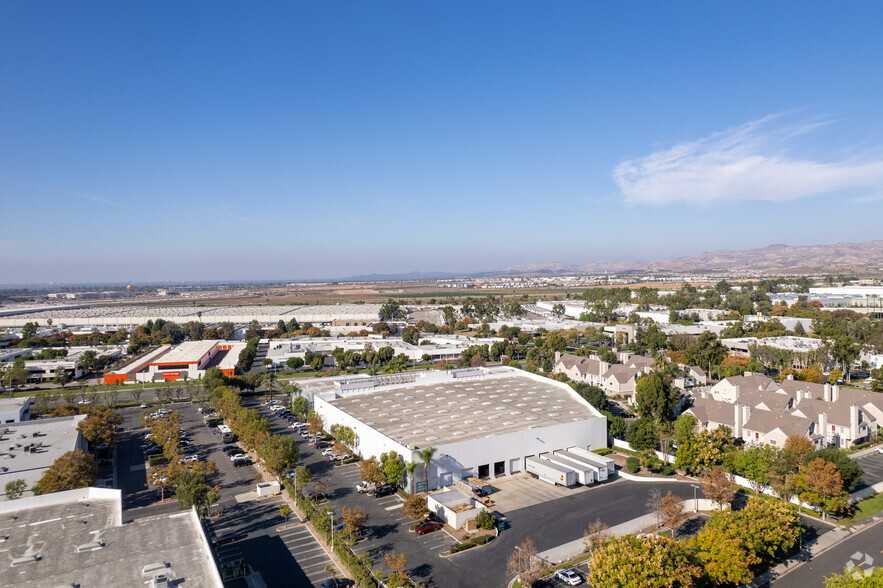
(328, 451)
(879, 450)
(189, 458)
(238, 456)
(568, 576)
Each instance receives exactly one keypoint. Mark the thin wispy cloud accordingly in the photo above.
(748, 162)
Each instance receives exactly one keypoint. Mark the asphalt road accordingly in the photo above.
(812, 573)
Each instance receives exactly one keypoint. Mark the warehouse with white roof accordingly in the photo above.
(482, 422)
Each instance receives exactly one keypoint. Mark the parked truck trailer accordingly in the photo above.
(585, 475)
(599, 472)
(549, 472)
(595, 458)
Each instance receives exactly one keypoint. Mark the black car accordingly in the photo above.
(226, 537)
(231, 450)
(337, 583)
(153, 451)
(384, 490)
(242, 462)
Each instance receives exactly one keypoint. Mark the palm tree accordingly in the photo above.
(426, 455)
(411, 467)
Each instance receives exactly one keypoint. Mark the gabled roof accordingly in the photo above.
(621, 373)
(766, 422)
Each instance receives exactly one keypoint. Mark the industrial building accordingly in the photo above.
(28, 448)
(482, 422)
(189, 360)
(437, 347)
(15, 410)
(113, 318)
(78, 538)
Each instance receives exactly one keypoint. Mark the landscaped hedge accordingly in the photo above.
(157, 460)
(480, 540)
(633, 464)
(603, 451)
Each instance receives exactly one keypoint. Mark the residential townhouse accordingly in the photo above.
(759, 410)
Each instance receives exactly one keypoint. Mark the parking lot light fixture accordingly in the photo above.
(331, 514)
(695, 499)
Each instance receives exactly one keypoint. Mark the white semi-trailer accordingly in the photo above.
(594, 457)
(585, 475)
(599, 472)
(549, 472)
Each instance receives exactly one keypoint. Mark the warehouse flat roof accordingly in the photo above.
(79, 541)
(50, 438)
(455, 409)
(187, 352)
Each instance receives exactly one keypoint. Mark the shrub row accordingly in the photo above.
(633, 464)
(603, 451)
(475, 541)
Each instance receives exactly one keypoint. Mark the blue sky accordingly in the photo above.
(149, 141)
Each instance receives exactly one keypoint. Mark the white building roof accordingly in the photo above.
(53, 437)
(55, 526)
(188, 352)
(439, 408)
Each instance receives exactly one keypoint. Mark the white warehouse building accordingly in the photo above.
(482, 422)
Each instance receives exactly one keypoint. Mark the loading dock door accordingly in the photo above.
(514, 465)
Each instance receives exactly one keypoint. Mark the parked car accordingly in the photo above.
(236, 456)
(879, 450)
(153, 451)
(328, 451)
(189, 458)
(343, 457)
(568, 576)
(243, 461)
(231, 450)
(363, 487)
(428, 528)
(337, 583)
(227, 536)
(384, 490)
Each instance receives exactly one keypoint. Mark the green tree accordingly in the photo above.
(558, 310)
(62, 377)
(642, 435)
(212, 379)
(755, 462)
(393, 467)
(867, 579)
(279, 453)
(415, 507)
(684, 427)
(592, 394)
(15, 489)
(655, 398)
(389, 310)
(69, 471)
(17, 375)
(193, 491)
(706, 351)
(28, 331)
(877, 381)
(426, 456)
(294, 363)
(820, 484)
(705, 450)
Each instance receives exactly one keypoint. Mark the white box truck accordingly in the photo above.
(595, 458)
(549, 472)
(599, 472)
(585, 475)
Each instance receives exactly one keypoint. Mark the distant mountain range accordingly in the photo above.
(851, 258)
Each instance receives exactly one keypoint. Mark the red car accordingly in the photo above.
(428, 528)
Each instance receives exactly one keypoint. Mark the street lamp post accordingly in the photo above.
(331, 514)
(695, 499)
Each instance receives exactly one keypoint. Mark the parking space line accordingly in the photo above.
(319, 555)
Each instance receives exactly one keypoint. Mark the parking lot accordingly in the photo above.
(286, 558)
(872, 464)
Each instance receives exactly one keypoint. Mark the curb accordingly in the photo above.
(448, 554)
(633, 478)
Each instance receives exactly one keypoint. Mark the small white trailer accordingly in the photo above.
(599, 472)
(595, 458)
(549, 472)
(585, 475)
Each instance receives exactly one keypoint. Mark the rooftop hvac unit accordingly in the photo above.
(161, 581)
